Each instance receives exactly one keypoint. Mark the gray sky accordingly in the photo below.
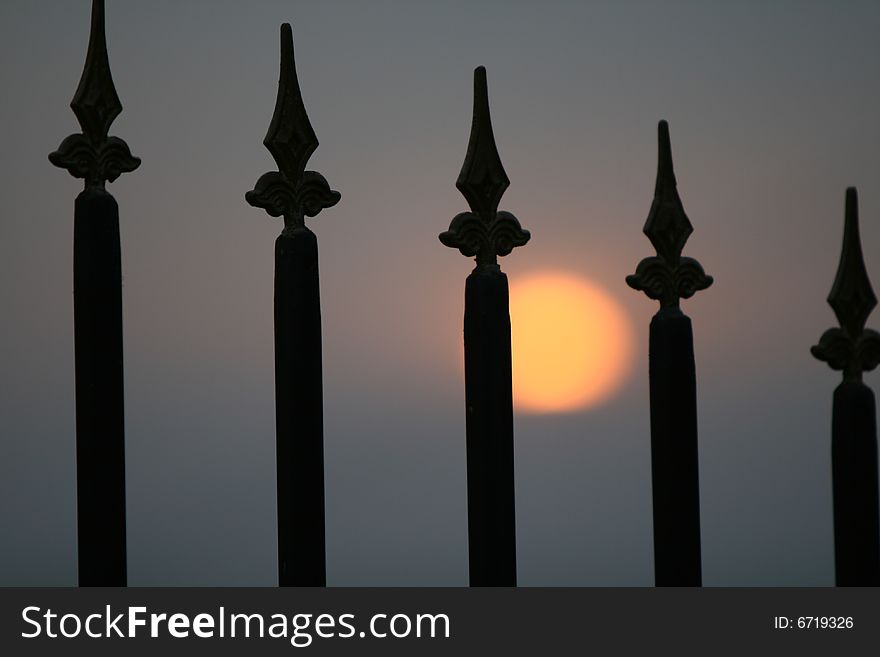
(773, 110)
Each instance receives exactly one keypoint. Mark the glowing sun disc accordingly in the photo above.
(572, 343)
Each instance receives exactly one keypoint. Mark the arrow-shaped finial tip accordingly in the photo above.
(665, 171)
(286, 43)
(851, 240)
(98, 13)
(663, 133)
(852, 205)
(97, 34)
(481, 87)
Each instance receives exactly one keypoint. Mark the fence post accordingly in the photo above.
(853, 349)
(294, 193)
(97, 311)
(669, 277)
(486, 233)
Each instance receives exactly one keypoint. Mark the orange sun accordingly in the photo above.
(572, 343)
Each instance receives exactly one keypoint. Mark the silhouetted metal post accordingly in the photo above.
(294, 193)
(486, 233)
(853, 349)
(97, 309)
(667, 278)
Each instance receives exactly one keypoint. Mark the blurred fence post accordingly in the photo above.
(667, 278)
(97, 310)
(853, 349)
(486, 233)
(294, 193)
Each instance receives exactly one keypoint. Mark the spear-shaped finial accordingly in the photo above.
(291, 191)
(667, 226)
(92, 154)
(483, 232)
(851, 348)
(668, 276)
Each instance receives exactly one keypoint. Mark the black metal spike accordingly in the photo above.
(483, 232)
(96, 103)
(92, 154)
(668, 276)
(851, 348)
(482, 180)
(291, 138)
(667, 226)
(291, 191)
(851, 295)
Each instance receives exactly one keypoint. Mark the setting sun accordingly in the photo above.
(572, 343)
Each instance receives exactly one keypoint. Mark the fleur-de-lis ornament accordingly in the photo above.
(291, 192)
(851, 348)
(92, 154)
(668, 276)
(484, 232)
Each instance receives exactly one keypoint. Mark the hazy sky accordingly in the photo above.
(773, 110)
